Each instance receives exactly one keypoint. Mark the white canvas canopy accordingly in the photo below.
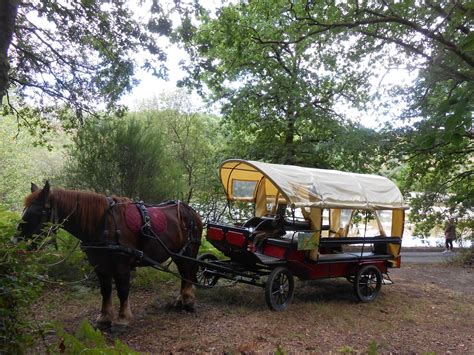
(309, 187)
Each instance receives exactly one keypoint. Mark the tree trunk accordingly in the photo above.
(8, 12)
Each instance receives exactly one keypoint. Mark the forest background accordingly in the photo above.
(281, 78)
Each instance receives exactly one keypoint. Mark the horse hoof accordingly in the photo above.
(180, 306)
(118, 328)
(103, 325)
(188, 308)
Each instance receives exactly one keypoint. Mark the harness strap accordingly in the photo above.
(148, 231)
(145, 215)
(105, 227)
(193, 238)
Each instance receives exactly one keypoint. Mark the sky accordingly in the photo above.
(151, 88)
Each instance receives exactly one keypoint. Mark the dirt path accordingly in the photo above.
(429, 309)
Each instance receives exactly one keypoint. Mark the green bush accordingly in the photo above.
(66, 262)
(464, 257)
(19, 287)
(126, 157)
(22, 276)
(151, 279)
(22, 161)
(207, 247)
(87, 340)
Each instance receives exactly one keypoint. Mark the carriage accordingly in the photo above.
(307, 223)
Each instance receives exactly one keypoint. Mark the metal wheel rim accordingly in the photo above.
(281, 289)
(368, 284)
(203, 278)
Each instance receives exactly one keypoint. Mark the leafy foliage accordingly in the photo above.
(88, 340)
(293, 61)
(68, 60)
(279, 90)
(22, 162)
(127, 157)
(195, 143)
(435, 39)
(18, 287)
(23, 275)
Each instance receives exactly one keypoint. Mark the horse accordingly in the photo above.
(115, 239)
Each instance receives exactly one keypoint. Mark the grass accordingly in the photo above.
(150, 279)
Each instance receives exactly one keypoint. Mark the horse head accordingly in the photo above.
(35, 216)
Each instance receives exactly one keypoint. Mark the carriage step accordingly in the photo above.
(265, 259)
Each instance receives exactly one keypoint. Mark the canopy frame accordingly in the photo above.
(310, 187)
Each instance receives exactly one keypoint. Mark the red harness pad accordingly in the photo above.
(134, 220)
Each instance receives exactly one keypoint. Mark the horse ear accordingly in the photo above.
(34, 187)
(45, 192)
(46, 187)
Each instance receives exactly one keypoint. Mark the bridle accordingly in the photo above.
(49, 214)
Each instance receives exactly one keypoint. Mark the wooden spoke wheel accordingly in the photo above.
(367, 283)
(279, 289)
(205, 277)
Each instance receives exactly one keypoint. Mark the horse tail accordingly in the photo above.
(198, 224)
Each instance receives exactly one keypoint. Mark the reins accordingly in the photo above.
(54, 220)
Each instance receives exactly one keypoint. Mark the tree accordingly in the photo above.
(436, 39)
(437, 145)
(433, 39)
(278, 94)
(195, 143)
(8, 13)
(127, 157)
(76, 56)
(23, 162)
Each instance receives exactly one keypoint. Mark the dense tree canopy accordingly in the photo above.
(284, 74)
(279, 68)
(278, 93)
(70, 57)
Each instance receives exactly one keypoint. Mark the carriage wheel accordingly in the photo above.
(205, 278)
(367, 283)
(279, 289)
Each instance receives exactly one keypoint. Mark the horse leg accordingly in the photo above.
(122, 283)
(104, 320)
(186, 297)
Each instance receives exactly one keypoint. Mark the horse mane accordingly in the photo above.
(85, 208)
(31, 197)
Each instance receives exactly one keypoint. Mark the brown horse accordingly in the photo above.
(114, 242)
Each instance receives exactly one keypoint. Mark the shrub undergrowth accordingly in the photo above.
(24, 273)
(19, 287)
